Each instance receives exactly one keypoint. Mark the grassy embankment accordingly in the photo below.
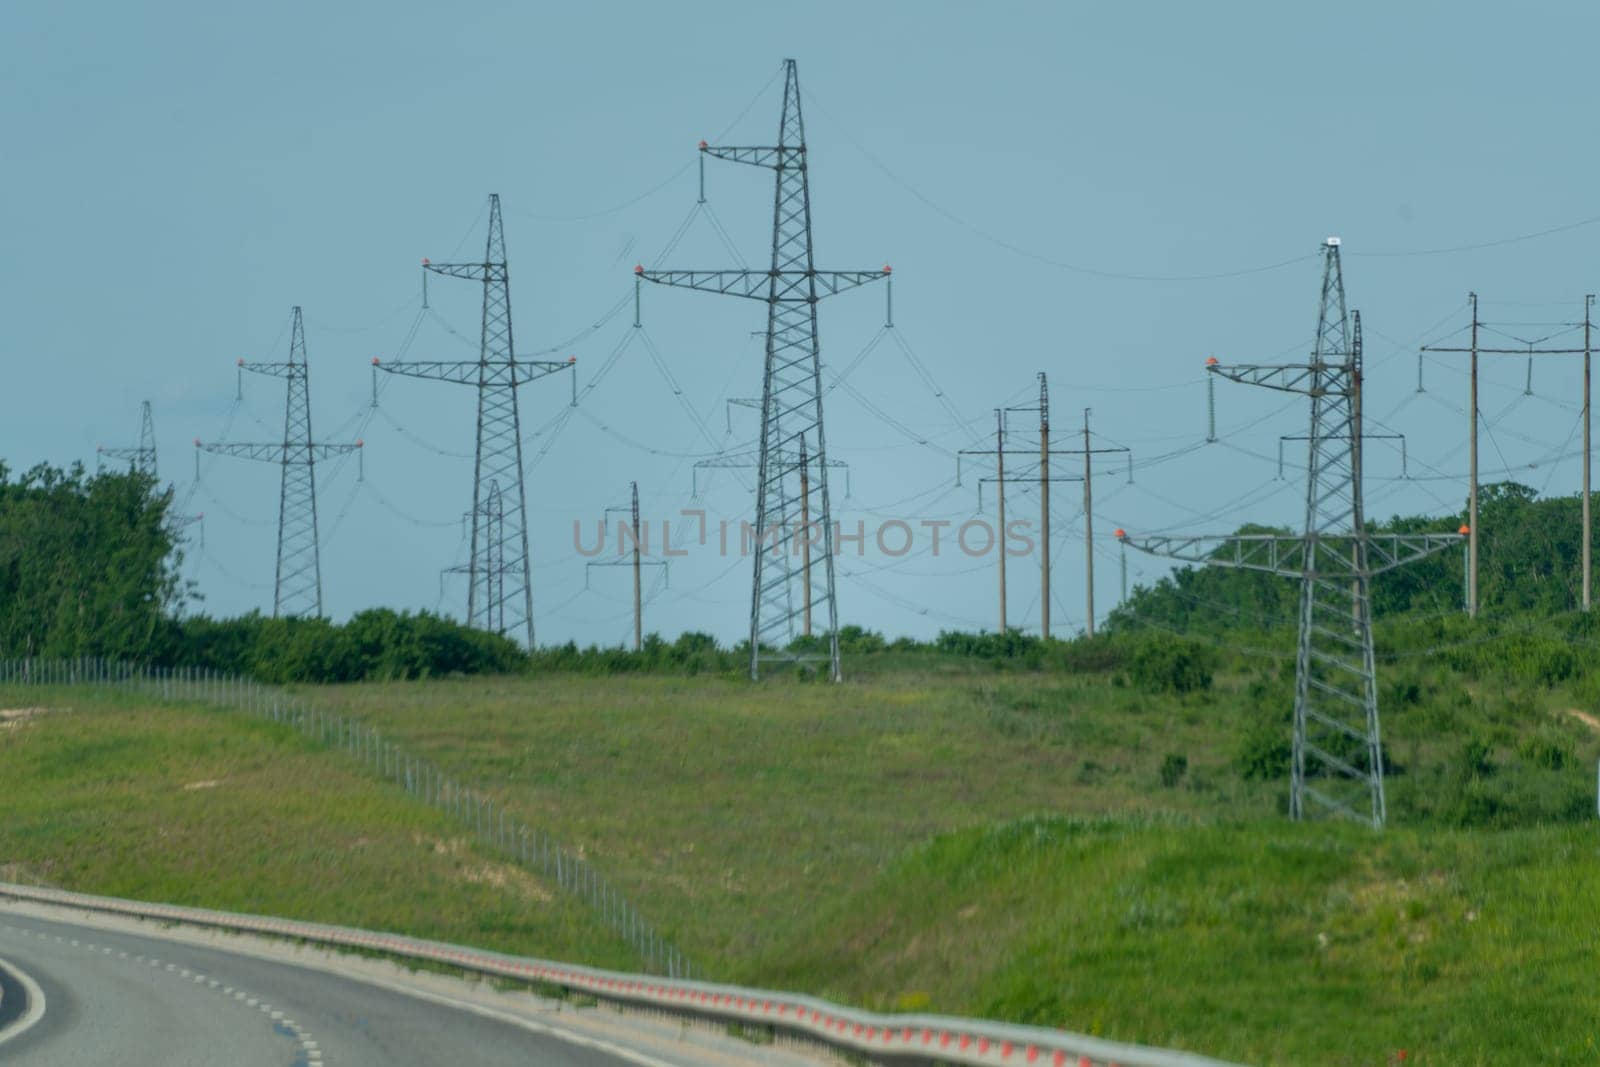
(188, 806)
(979, 843)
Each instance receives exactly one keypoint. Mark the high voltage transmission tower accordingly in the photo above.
(499, 579)
(297, 588)
(1529, 349)
(791, 395)
(639, 537)
(1337, 752)
(141, 457)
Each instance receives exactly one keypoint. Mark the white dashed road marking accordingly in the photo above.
(309, 1052)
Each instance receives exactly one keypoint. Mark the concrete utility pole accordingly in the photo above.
(1529, 349)
(1044, 507)
(1089, 451)
(635, 560)
(1588, 528)
(1000, 488)
(1088, 525)
(1039, 475)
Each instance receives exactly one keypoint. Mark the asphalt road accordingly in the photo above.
(114, 997)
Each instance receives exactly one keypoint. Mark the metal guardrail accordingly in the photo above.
(897, 1039)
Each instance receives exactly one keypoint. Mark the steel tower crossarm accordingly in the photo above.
(772, 158)
(1285, 554)
(799, 285)
(474, 272)
(278, 452)
(271, 369)
(474, 372)
(1307, 379)
(142, 458)
(136, 457)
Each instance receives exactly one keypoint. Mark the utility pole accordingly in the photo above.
(142, 457)
(1044, 508)
(297, 587)
(1000, 494)
(636, 560)
(1336, 697)
(497, 374)
(1089, 451)
(791, 395)
(1122, 548)
(489, 578)
(1529, 349)
(1039, 475)
(1588, 528)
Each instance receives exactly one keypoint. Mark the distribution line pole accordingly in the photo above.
(1089, 451)
(1529, 350)
(1088, 523)
(1588, 307)
(1472, 453)
(1000, 489)
(636, 560)
(1044, 508)
(638, 612)
(1040, 475)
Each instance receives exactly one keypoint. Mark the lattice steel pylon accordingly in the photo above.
(297, 587)
(791, 395)
(1337, 762)
(500, 581)
(140, 457)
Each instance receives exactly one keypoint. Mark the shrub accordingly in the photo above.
(1173, 768)
(1265, 750)
(1172, 665)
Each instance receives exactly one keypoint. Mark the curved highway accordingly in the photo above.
(119, 996)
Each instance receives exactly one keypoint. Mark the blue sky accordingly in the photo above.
(177, 176)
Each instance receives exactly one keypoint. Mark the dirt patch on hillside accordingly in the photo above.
(1584, 717)
(497, 875)
(16, 718)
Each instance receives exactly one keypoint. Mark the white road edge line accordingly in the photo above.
(484, 1011)
(36, 1003)
(330, 966)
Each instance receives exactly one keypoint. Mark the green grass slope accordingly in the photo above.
(213, 809)
(1262, 943)
(1082, 850)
